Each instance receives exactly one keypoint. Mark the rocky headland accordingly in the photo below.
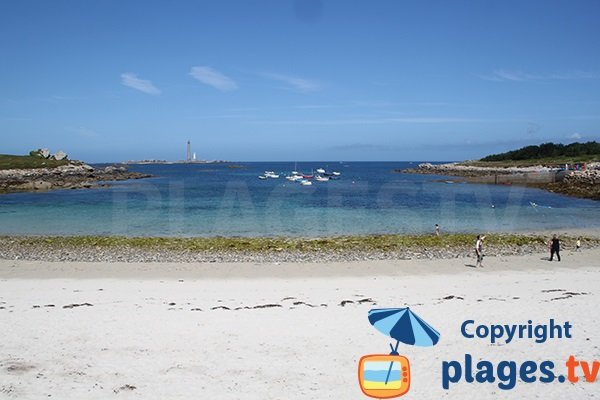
(468, 170)
(74, 175)
(578, 183)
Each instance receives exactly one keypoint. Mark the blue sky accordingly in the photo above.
(297, 80)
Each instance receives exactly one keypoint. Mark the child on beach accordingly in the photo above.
(578, 244)
(437, 230)
(479, 250)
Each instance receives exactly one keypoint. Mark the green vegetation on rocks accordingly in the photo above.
(29, 162)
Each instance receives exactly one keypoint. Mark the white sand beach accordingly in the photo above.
(268, 331)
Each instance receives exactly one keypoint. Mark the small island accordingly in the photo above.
(41, 171)
(572, 169)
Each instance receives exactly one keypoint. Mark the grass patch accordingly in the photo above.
(8, 161)
(262, 244)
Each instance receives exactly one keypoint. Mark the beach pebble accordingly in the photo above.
(39, 250)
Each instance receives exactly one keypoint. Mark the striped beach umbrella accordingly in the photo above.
(404, 325)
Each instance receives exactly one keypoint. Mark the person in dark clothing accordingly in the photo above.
(555, 247)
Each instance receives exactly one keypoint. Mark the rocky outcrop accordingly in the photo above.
(589, 177)
(460, 169)
(59, 155)
(74, 175)
(584, 184)
(45, 153)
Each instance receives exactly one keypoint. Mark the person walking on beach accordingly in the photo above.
(479, 250)
(555, 247)
(578, 244)
(437, 230)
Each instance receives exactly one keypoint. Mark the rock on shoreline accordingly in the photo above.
(585, 184)
(75, 175)
(458, 169)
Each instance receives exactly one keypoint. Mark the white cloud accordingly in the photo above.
(504, 75)
(132, 81)
(576, 136)
(517, 76)
(213, 78)
(295, 83)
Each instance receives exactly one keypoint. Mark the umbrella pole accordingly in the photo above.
(394, 353)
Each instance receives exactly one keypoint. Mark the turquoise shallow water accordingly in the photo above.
(214, 199)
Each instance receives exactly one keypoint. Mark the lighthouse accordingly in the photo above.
(189, 152)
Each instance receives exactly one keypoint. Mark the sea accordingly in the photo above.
(228, 199)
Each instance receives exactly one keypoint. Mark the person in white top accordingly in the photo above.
(479, 250)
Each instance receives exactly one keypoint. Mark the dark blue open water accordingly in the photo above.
(214, 199)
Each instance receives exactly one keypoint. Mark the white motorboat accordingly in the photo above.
(320, 171)
(321, 178)
(336, 173)
(262, 177)
(305, 182)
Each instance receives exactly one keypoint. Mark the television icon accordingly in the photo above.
(384, 376)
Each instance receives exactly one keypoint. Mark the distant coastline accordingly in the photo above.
(579, 181)
(167, 162)
(572, 169)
